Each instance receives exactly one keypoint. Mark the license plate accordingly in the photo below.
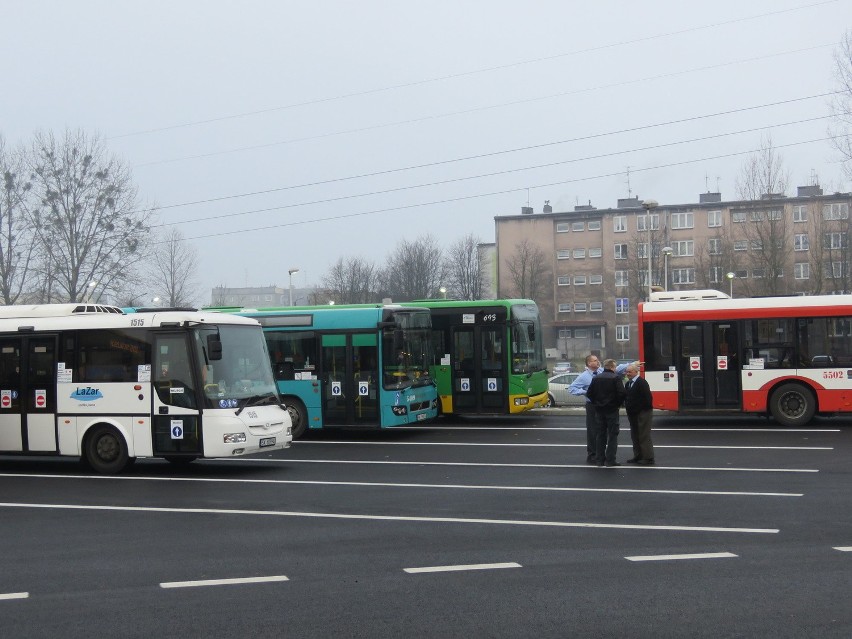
(421, 417)
(267, 441)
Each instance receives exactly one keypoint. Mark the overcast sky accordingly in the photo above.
(287, 134)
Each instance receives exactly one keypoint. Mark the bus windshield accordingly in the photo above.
(527, 351)
(406, 349)
(242, 376)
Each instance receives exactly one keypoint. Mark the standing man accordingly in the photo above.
(640, 408)
(607, 393)
(579, 387)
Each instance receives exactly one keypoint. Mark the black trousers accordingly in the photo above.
(606, 435)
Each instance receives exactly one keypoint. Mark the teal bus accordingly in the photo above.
(364, 365)
(488, 356)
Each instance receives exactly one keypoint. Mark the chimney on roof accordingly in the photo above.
(809, 191)
(709, 198)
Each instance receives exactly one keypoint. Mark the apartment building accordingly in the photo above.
(597, 261)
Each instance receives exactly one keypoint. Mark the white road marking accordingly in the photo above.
(14, 595)
(655, 429)
(231, 460)
(406, 485)
(703, 555)
(222, 582)
(403, 518)
(843, 548)
(520, 445)
(462, 567)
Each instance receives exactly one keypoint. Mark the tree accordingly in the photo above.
(841, 105)
(173, 266)
(529, 271)
(17, 248)
(415, 270)
(351, 280)
(87, 220)
(465, 271)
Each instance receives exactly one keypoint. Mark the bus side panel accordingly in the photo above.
(664, 388)
(10, 433)
(143, 441)
(832, 387)
(306, 391)
(72, 430)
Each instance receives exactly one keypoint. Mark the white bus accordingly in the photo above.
(91, 381)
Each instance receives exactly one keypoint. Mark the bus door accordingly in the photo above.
(176, 421)
(709, 365)
(28, 394)
(478, 370)
(350, 380)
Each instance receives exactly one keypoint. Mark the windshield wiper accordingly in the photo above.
(258, 400)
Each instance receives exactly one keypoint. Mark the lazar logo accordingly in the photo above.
(87, 394)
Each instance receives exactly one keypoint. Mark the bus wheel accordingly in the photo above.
(551, 402)
(298, 416)
(792, 405)
(105, 450)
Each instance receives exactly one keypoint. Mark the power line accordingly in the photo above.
(475, 71)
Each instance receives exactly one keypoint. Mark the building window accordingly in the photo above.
(564, 308)
(738, 216)
(622, 333)
(833, 240)
(578, 226)
(563, 280)
(595, 279)
(642, 222)
(579, 307)
(802, 271)
(714, 246)
(714, 218)
(562, 227)
(596, 307)
(800, 242)
(775, 214)
(622, 278)
(835, 211)
(836, 269)
(579, 280)
(682, 220)
(755, 216)
(622, 304)
(642, 251)
(756, 245)
(715, 274)
(800, 213)
(619, 224)
(683, 248)
(579, 254)
(595, 252)
(683, 276)
(581, 333)
(594, 225)
(563, 254)
(758, 273)
(741, 274)
(621, 251)
(564, 333)
(740, 245)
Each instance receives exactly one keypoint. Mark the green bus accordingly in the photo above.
(488, 356)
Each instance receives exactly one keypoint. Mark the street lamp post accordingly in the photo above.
(649, 205)
(667, 250)
(91, 291)
(443, 292)
(290, 272)
(731, 275)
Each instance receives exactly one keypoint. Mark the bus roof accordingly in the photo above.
(745, 307)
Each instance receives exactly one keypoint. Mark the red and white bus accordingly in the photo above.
(790, 357)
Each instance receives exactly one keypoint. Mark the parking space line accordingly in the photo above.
(521, 445)
(14, 595)
(843, 548)
(396, 518)
(459, 568)
(223, 582)
(703, 555)
(369, 484)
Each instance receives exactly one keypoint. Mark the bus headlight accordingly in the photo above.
(399, 410)
(235, 438)
(522, 401)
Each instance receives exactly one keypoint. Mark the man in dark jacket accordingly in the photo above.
(640, 408)
(607, 393)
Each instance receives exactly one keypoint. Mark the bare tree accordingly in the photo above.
(465, 271)
(88, 223)
(841, 105)
(529, 271)
(415, 270)
(174, 264)
(351, 280)
(17, 248)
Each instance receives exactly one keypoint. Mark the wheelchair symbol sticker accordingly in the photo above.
(364, 389)
(336, 390)
(492, 383)
(465, 383)
(177, 429)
